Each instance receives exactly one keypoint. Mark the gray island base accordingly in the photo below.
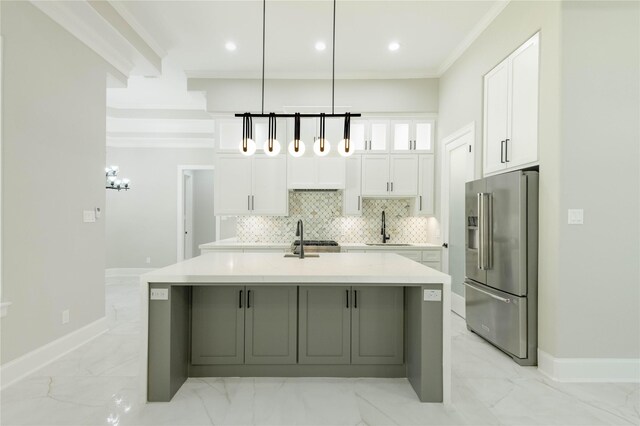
(263, 315)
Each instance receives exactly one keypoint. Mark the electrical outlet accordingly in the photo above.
(159, 294)
(148, 259)
(575, 217)
(432, 295)
(65, 316)
(88, 216)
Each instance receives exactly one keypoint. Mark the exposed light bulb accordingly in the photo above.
(342, 148)
(251, 147)
(275, 149)
(316, 148)
(125, 182)
(115, 168)
(292, 149)
(112, 178)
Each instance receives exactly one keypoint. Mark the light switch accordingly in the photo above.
(159, 294)
(575, 217)
(432, 295)
(89, 216)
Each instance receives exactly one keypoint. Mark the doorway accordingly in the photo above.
(458, 167)
(197, 223)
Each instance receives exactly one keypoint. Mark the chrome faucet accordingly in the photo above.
(300, 233)
(385, 237)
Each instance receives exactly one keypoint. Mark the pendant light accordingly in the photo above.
(344, 146)
(321, 146)
(271, 145)
(296, 146)
(248, 146)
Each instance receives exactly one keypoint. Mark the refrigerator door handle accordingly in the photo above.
(488, 237)
(480, 232)
(502, 299)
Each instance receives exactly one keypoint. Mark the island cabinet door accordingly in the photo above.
(325, 325)
(377, 317)
(271, 325)
(217, 325)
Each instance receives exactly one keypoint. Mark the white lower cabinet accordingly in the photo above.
(250, 186)
(430, 257)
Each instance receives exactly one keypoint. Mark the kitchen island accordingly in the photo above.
(266, 315)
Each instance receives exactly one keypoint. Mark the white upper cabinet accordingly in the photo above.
(378, 136)
(352, 195)
(425, 204)
(311, 172)
(228, 134)
(511, 111)
(261, 132)
(359, 136)
(412, 135)
(389, 175)
(369, 136)
(250, 186)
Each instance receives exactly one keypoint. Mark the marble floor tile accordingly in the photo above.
(97, 385)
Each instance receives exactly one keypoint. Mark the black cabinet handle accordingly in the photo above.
(506, 150)
(501, 151)
(347, 291)
(240, 300)
(248, 299)
(355, 299)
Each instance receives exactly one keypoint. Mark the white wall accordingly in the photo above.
(370, 96)
(53, 114)
(142, 222)
(204, 221)
(588, 150)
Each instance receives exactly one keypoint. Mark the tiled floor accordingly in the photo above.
(96, 384)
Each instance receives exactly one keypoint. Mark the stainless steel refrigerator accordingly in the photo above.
(501, 284)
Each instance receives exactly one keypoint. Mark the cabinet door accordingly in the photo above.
(301, 172)
(325, 325)
(426, 185)
(261, 133)
(404, 175)
(217, 325)
(359, 136)
(423, 135)
(495, 117)
(522, 147)
(379, 135)
(232, 194)
(375, 175)
(377, 319)
(401, 136)
(229, 134)
(352, 202)
(270, 331)
(330, 172)
(269, 185)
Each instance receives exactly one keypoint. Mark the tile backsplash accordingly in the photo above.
(321, 213)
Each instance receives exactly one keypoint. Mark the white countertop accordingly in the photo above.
(339, 268)
(233, 243)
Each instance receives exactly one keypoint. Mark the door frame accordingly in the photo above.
(180, 202)
(449, 143)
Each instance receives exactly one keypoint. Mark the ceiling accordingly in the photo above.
(194, 33)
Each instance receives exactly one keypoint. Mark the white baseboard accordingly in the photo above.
(457, 304)
(126, 272)
(612, 370)
(21, 367)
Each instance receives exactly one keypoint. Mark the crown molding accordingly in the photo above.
(482, 25)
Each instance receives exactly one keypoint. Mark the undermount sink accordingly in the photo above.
(388, 244)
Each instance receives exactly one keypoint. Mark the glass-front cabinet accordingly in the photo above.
(412, 135)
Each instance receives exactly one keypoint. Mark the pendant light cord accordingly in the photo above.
(333, 62)
(264, 14)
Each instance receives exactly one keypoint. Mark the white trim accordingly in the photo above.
(482, 25)
(21, 367)
(160, 143)
(458, 305)
(126, 272)
(180, 200)
(138, 28)
(609, 370)
(446, 344)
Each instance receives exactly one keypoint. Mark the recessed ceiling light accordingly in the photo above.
(320, 46)
(394, 46)
(230, 46)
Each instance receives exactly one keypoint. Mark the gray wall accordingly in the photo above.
(53, 115)
(142, 222)
(401, 96)
(204, 221)
(588, 150)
